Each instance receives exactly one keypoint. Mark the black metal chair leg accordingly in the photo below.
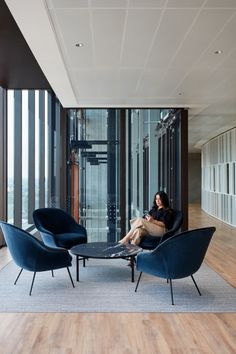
(171, 290)
(52, 273)
(196, 285)
(138, 281)
(70, 277)
(18, 276)
(32, 284)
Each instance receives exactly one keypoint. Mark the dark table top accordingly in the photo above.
(105, 250)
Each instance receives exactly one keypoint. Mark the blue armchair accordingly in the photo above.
(58, 228)
(31, 254)
(178, 257)
(151, 242)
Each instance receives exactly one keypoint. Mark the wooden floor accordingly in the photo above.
(123, 333)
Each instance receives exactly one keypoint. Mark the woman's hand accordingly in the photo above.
(149, 217)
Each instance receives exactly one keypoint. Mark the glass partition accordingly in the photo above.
(94, 171)
(33, 154)
(118, 159)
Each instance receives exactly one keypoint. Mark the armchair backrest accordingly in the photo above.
(54, 220)
(183, 253)
(23, 247)
(178, 221)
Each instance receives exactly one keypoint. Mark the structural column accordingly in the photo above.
(3, 159)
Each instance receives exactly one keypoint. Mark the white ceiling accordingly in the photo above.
(138, 53)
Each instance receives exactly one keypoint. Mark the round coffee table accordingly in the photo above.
(105, 250)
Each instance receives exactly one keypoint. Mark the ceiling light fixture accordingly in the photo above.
(79, 44)
(218, 51)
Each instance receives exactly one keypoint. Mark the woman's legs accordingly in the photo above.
(150, 228)
(137, 235)
(135, 224)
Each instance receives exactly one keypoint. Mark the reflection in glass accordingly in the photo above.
(25, 157)
(10, 156)
(37, 149)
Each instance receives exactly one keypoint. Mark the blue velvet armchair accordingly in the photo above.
(31, 254)
(178, 257)
(58, 228)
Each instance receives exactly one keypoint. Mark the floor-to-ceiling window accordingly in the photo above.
(10, 156)
(33, 154)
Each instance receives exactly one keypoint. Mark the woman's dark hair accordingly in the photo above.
(164, 199)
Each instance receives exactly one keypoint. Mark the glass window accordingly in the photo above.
(94, 169)
(25, 157)
(46, 148)
(37, 150)
(34, 145)
(10, 156)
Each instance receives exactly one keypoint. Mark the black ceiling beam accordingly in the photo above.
(92, 153)
(82, 144)
(18, 66)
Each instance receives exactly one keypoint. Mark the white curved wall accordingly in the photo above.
(219, 177)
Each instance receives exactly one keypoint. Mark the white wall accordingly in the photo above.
(219, 177)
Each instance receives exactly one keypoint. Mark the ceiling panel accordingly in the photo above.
(68, 4)
(230, 61)
(118, 4)
(73, 27)
(147, 4)
(167, 85)
(225, 42)
(200, 83)
(85, 83)
(107, 78)
(204, 31)
(174, 25)
(187, 4)
(127, 82)
(149, 83)
(226, 87)
(219, 4)
(108, 26)
(138, 36)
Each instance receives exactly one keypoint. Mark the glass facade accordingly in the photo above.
(101, 165)
(30, 152)
(10, 157)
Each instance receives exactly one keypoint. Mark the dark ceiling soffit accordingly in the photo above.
(18, 67)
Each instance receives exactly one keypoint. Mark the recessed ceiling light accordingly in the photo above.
(79, 44)
(218, 51)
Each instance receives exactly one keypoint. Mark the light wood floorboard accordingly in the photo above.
(221, 254)
(122, 333)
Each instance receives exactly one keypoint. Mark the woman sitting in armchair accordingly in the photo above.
(158, 220)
